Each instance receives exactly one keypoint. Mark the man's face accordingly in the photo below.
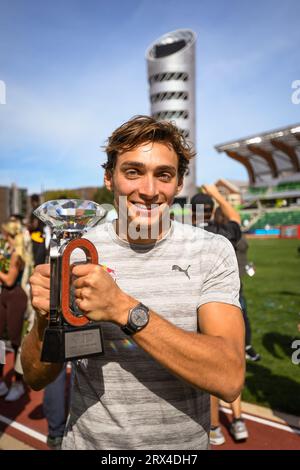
(148, 177)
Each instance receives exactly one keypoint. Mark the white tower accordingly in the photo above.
(171, 76)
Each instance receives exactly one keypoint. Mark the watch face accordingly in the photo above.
(139, 317)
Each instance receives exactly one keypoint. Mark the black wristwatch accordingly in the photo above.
(138, 318)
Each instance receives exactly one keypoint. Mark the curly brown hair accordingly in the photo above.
(142, 129)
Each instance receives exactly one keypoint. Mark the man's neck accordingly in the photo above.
(146, 239)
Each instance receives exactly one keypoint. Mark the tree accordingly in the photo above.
(103, 196)
(60, 194)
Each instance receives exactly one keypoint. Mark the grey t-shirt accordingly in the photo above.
(125, 399)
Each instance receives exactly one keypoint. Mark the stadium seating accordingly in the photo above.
(292, 186)
(276, 218)
(258, 191)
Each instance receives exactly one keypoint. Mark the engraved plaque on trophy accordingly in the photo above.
(69, 335)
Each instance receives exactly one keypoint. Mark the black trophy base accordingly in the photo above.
(65, 343)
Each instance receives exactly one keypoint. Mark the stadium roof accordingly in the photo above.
(273, 155)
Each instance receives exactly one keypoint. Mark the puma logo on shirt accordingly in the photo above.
(175, 267)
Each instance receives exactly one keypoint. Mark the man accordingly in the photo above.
(162, 358)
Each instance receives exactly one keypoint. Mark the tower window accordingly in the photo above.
(169, 95)
(162, 115)
(162, 77)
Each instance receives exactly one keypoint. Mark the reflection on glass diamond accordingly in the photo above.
(70, 215)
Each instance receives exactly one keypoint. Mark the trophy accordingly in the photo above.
(69, 335)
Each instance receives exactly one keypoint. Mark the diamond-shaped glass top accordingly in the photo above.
(70, 215)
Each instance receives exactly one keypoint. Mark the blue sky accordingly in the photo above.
(74, 70)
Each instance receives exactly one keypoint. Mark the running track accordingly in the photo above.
(24, 421)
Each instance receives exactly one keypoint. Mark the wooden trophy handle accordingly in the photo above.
(92, 257)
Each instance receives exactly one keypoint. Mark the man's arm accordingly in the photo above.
(212, 360)
(36, 373)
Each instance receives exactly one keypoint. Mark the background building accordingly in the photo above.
(13, 200)
(171, 76)
(232, 190)
(4, 203)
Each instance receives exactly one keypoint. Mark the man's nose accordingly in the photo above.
(148, 188)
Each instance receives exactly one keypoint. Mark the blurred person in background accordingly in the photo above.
(28, 269)
(13, 302)
(205, 200)
(225, 221)
(241, 249)
(28, 253)
(36, 228)
(246, 268)
(56, 406)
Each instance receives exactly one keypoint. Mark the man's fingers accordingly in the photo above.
(78, 293)
(39, 280)
(41, 305)
(41, 276)
(39, 291)
(86, 274)
(43, 270)
(82, 292)
(81, 282)
(83, 305)
(83, 269)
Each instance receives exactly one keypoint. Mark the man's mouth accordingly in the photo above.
(144, 209)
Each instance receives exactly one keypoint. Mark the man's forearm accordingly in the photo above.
(37, 374)
(206, 362)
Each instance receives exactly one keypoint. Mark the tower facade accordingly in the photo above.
(171, 77)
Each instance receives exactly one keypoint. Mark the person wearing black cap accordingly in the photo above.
(225, 220)
(36, 229)
(205, 200)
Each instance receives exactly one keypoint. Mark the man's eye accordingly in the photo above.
(131, 173)
(165, 177)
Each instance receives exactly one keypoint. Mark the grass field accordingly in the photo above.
(273, 298)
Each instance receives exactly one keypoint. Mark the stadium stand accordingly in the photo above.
(272, 161)
(277, 219)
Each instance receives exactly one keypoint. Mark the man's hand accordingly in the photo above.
(40, 290)
(98, 296)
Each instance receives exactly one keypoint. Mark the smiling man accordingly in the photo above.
(172, 326)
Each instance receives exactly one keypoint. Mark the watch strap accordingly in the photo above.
(130, 329)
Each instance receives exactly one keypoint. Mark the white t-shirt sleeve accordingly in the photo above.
(222, 284)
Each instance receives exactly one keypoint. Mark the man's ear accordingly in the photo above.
(179, 185)
(108, 180)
